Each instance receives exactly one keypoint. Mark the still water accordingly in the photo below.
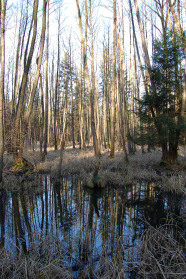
(84, 220)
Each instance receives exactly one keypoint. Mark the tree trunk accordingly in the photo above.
(72, 102)
(169, 156)
(121, 93)
(2, 57)
(112, 109)
(183, 36)
(46, 79)
(41, 120)
(57, 84)
(83, 44)
(39, 61)
(17, 151)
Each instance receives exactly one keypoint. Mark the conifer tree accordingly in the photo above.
(165, 98)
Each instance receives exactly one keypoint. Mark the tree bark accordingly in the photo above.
(46, 80)
(39, 61)
(112, 109)
(56, 86)
(3, 13)
(41, 120)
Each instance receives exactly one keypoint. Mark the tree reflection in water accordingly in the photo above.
(84, 220)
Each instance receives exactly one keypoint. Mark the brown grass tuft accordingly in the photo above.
(113, 170)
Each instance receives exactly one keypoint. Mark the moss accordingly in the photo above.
(20, 164)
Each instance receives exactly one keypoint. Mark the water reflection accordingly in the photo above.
(84, 220)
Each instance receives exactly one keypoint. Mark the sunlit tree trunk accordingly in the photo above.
(132, 88)
(2, 58)
(144, 42)
(56, 92)
(106, 95)
(93, 127)
(17, 148)
(112, 109)
(38, 62)
(19, 55)
(94, 87)
(122, 115)
(81, 102)
(72, 101)
(183, 36)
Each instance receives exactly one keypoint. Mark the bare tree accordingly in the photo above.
(90, 90)
(21, 116)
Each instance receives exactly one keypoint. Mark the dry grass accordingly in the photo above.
(49, 263)
(158, 255)
(175, 183)
(161, 256)
(114, 170)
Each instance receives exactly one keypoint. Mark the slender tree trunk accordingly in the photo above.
(83, 44)
(121, 108)
(19, 54)
(2, 57)
(81, 105)
(183, 37)
(131, 85)
(46, 79)
(72, 115)
(41, 120)
(94, 87)
(57, 84)
(112, 109)
(62, 144)
(39, 61)
(72, 101)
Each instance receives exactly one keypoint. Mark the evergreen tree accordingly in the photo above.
(160, 111)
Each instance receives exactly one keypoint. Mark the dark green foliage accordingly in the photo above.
(160, 108)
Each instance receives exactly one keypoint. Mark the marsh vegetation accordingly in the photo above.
(133, 227)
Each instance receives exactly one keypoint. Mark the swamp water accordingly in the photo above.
(84, 221)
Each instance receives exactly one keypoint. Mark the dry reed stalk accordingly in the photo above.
(158, 255)
(161, 255)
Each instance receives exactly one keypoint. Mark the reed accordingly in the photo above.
(159, 254)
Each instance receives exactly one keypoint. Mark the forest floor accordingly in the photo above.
(141, 166)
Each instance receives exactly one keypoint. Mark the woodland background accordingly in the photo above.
(107, 73)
